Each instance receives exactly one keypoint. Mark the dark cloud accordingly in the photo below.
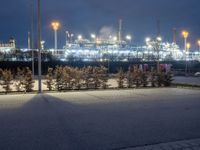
(85, 16)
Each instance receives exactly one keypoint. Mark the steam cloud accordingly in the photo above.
(106, 32)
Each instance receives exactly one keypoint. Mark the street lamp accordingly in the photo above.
(198, 42)
(185, 35)
(188, 45)
(55, 25)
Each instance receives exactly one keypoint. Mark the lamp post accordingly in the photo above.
(198, 42)
(188, 45)
(55, 25)
(39, 52)
(185, 35)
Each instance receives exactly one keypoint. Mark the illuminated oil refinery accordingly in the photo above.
(115, 47)
(110, 46)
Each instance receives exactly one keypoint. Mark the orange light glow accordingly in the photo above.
(55, 25)
(185, 34)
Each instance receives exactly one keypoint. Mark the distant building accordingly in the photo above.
(7, 47)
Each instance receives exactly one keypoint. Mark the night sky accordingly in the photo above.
(90, 16)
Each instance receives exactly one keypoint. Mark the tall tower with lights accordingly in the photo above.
(120, 31)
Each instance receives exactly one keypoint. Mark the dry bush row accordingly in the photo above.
(22, 80)
(69, 78)
(66, 78)
(135, 78)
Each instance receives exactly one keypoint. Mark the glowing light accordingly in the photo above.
(198, 42)
(93, 36)
(159, 39)
(185, 34)
(148, 39)
(80, 37)
(98, 42)
(128, 37)
(115, 38)
(188, 45)
(55, 25)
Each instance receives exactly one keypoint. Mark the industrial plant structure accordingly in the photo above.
(111, 47)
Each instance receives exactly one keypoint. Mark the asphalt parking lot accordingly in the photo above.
(99, 120)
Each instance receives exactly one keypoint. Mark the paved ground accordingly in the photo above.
(99, 120)
(193, 144)
(187, 80)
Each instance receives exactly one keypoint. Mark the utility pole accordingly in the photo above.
(39, 52)
(120, 31)
(32, 37)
